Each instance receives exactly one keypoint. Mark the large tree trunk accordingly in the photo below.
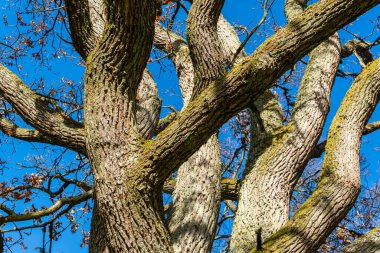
(128, 203)
(130, 218)
(125, 166)
(127, 198)
(130, 167)
(147, 113)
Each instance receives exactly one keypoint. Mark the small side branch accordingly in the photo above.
(368, 243)
(24, 134)
(252, 32)
(53, 125)
(13, 217)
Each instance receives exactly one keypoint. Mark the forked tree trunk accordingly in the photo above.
(128, 170)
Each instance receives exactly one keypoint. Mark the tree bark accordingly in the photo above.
(194, 217)
(196, 200)
(245, 82)
(127, 199)
(278, 160)
(339, 183)
(278, 155)
(129, 170)
(53, 125)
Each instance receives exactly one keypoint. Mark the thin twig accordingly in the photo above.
(242, 45)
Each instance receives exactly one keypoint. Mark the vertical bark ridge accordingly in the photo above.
(81, 26)
(204, 43)
(339, 183)
(87, 21)
(126, 200)
(196, 200)
(147, 112)
(195, 210)
(266, 117)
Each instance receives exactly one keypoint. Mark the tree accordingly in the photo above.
(134, 156)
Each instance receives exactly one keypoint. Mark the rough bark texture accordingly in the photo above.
(229, 188)
(51, 122)
(339, 183)
(89, 22)
(195, 209)
(127, 202)
(204, 43)
(278, 159)
(245, 82)
(196, 200)
(148, 106)
(87, 19)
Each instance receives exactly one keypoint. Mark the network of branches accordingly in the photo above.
(46, 190)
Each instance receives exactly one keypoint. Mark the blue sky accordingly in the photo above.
(246, 13)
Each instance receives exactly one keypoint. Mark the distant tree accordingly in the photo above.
(127, 157)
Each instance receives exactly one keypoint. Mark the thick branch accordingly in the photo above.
(204, 43)
(119, 50)
(39, 112)
(164, 123)
(246, 81)
(266, 189)
(293, 8)
(24, 134)
(86, 19)
(360, 49)
(113, 74)
(195, 210)
(148, 106)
